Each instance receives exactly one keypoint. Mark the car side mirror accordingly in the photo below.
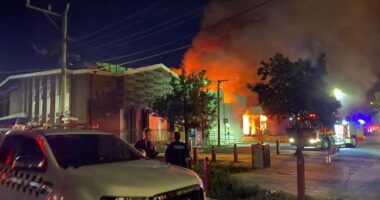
(32, 163)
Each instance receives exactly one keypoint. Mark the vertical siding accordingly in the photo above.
(28, 95)
(48, 99)
(42, 99)
(67, 95)
(34, 101)
(16, 96)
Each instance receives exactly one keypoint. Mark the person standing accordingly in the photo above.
(177, 152)
(147, 145)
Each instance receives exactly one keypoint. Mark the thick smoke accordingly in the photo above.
(348, 31)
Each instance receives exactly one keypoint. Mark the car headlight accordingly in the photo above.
(124, 198)
(200, 182)
(291, 140)
(313, 141)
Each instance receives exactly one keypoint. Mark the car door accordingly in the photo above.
(22, 166)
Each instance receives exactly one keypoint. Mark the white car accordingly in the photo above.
(86, 165)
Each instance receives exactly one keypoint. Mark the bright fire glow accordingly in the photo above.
(221, 63)
(246, 124)
(263, 118)
(229, 97)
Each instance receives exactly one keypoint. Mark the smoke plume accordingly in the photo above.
(348, 31)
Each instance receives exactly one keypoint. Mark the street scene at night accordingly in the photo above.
(189, 100)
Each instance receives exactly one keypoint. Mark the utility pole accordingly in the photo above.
(219, 82)
(64, 63)
(63, 86)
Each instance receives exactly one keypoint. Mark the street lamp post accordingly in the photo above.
(219, 82)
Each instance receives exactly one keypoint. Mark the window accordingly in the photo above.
(75, 150)
(22, 152)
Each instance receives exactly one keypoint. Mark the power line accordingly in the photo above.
(145, 50)
(149, 29)
(119, 29)
(96, 50)
(113, 32)
(155, 55)
(153, 33)
(118, 22)
(205, 29)
(257, 6)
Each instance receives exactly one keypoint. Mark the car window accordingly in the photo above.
(75, 150)
(23, 150)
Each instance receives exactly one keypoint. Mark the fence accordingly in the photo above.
(224, 138)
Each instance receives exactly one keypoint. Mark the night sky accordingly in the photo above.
(98, 30)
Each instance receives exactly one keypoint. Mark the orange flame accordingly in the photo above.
(222, 63)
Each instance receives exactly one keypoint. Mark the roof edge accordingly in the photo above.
(83, 71)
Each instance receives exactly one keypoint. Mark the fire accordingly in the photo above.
(221, 63)
(246, 125)
(177, 70)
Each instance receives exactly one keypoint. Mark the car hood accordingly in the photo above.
(131, 178)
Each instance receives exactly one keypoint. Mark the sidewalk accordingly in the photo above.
(353, 175)
(346, 177)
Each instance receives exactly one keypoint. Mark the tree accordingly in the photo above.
(296, 89)
(189, 104)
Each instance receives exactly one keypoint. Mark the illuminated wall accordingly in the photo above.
(232, 108)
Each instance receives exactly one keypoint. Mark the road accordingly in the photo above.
(355, 174)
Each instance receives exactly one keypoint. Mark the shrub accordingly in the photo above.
(224, 186)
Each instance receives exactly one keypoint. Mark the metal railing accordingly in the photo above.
(224, 138)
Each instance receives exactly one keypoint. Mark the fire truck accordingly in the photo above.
(345, 133)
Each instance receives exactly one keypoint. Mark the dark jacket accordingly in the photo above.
(148, 147)
(177, 153)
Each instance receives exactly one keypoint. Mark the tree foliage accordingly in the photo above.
(295, 89)
(189, 104)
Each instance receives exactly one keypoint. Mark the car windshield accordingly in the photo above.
(75, 150)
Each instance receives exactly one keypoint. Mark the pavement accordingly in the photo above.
(354, 174)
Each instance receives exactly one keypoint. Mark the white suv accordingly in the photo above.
(86, 165)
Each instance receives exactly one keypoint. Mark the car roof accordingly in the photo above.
(48, 132)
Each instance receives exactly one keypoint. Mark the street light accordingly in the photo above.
(338, 94)
(219, 82)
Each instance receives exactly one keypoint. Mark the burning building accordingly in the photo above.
(116, 99)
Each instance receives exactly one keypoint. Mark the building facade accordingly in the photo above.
(115, 99)
(108, 97)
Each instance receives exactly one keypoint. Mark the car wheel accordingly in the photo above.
(325, 144)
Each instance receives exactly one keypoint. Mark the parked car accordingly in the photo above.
(86, 165)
